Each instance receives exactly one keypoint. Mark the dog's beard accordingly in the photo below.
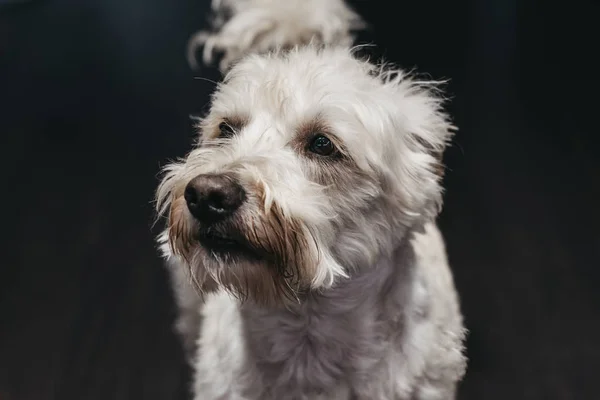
(261, 256)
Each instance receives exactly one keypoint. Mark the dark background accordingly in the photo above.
(95, 96)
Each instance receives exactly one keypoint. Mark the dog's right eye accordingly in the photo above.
(225, 130)
(322, 146)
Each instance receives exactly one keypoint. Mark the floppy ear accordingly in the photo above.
(429, 130)
(424, 131)
(242, 27)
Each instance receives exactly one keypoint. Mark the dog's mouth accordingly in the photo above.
(227, 244)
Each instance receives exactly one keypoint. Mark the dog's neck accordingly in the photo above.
(330, 329)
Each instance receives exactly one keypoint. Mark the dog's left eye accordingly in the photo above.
(322, 146)
(225, 130)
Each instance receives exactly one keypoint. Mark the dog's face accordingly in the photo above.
(310, 165)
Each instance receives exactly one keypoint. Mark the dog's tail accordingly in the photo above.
(241, 27)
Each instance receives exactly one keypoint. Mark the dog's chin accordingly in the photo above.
(229, 261)
(228, 246)
(266, 262)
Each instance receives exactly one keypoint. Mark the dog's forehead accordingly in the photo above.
(292, 88)
(278, 96)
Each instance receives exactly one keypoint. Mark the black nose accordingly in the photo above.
(213, 197)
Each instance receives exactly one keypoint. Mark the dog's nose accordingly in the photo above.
(212, 197)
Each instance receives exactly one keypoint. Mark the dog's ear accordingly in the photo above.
(423, 130)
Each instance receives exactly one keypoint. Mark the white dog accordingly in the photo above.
(301, 231)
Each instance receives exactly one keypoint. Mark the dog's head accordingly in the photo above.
(311, 164)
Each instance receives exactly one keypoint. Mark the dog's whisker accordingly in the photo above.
(201, 78)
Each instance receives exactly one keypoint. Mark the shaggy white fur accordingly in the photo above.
(375, 271)
(244, 27)
(301, 235)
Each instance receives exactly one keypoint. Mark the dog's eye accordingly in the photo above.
(225, 130)
(322, 146)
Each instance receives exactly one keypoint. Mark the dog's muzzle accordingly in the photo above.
(213, 200)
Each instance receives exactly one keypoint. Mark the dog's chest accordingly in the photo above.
(311, 351)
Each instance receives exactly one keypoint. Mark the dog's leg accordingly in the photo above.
(220, 365)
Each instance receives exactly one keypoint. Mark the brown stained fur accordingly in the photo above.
(308, 130)
(209, 127)
(181, 225)
(283, 272)
(289, 264)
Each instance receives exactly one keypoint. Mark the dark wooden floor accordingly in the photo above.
(95, 96)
